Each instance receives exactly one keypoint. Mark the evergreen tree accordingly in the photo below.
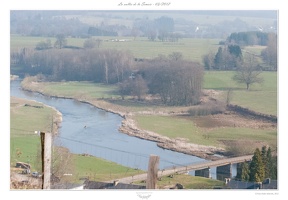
(219, 59)
(245, 172)
(265, 161)
(256, 168)
(271, 165)
(235, 50)
(273, 172)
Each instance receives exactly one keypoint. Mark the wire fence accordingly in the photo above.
(135, 161)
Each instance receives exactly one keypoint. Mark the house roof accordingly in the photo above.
(234, 184)
(65, 186)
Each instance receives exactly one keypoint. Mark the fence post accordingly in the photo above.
(46, 145)
(152, 172)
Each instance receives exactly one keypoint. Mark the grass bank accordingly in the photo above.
(28, 116)
(220, 135)
(188, 182)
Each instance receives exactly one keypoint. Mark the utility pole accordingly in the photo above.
(152, 175)
(46, 145)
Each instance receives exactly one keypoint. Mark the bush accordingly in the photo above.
(207, 109)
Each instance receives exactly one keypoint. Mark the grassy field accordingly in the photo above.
(192, 49)
(261, 97)
(79, 89)
(184, 127)
(188, 182)
(24, 121)
(101, 170)
(25, 144)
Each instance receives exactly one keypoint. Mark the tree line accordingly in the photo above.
(249, 38)
(174, 80)
(230, 56)
(102, 66)
(262, 166)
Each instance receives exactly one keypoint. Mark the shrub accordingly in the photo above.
(207, 109)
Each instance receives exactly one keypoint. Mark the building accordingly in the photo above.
(267, 184)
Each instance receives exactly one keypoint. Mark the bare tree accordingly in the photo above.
(177, 82)
(60, 41)
(61, 164)
(208, 60)
(269, 54)
(92, 43)
(135, 32)
(176, 56)
(139, 88)
(248, 73)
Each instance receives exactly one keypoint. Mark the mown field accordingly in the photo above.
(25, 144)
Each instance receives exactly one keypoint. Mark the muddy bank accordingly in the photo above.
(180, 145)
(56, 120)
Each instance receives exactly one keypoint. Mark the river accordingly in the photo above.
(87, 129)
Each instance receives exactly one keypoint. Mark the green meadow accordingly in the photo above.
(24, 121)
(25, 144)
(185, 127)
(79, 89)
(191, 49)
(261, 97)
(188, 182)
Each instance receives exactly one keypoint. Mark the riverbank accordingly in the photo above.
(180, 144)
(129, 127)
(171, 127)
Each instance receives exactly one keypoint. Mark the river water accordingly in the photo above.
(87, 129)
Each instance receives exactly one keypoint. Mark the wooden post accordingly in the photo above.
(152, 172)
(46, 145)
